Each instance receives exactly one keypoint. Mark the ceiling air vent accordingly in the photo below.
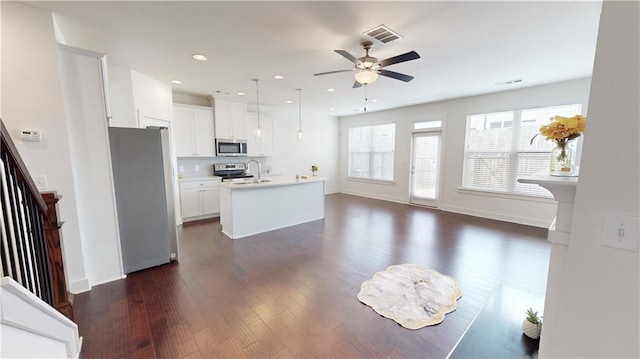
(510, 82)
(383, 34)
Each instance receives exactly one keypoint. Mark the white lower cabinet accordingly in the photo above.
(199, 199)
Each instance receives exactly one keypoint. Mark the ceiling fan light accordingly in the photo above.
(366, 77)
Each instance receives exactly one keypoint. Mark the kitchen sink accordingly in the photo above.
(251, 182)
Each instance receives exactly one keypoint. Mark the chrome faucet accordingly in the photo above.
(259, 168)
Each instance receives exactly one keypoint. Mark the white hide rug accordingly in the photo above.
(411, 295)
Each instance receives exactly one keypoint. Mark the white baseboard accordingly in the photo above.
(497, 216)
(461, 210)
(382, 198)
(109, 280)
(79, 286)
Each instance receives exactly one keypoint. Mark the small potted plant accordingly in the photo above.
(314, 169)
(532, 324)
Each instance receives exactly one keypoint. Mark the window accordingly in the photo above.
(427, 125)
(499, 150)
(371, 151)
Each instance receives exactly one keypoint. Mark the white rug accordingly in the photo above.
(411, 295)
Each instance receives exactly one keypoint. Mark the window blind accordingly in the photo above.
(371, 151)
(499, 149)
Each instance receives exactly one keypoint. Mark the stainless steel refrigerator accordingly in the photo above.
(142, 176)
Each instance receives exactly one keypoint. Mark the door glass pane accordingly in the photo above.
(425, 166)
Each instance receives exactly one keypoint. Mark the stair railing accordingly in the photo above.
(30, 251)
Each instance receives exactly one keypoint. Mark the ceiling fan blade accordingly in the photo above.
(356, 84)
(395, 75)
(411, 55)
(331, 72)
(348, 56)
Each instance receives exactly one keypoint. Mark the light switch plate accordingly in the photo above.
(196, 168)
(621, 231)
(40, 181)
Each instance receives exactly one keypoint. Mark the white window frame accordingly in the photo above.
(513, 154)
(372, 179)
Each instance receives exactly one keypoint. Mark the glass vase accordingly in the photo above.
(561, 160)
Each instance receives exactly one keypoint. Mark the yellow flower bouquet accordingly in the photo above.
(561, 130)
(564, 128)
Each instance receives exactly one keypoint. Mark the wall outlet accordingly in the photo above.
(40, 181)
(173, 256)
(181, 169)
(196, 168)
(621, 232)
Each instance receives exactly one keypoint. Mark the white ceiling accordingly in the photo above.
(465, 47)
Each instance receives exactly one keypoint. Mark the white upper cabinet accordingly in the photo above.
(230, 119)
(203, 135)
(193, 131)
(263, 145)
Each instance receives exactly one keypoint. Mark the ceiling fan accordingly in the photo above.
(368, 68)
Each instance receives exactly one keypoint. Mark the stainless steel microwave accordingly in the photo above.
(226, 147)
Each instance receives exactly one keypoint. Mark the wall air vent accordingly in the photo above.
(383, 34)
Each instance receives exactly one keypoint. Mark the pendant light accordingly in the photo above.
(299, 113)
(259, 129)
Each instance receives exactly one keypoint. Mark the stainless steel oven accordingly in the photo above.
(230, 171)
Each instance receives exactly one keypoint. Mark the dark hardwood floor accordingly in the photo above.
(292, 292)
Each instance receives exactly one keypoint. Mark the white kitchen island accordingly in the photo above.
(251, 208)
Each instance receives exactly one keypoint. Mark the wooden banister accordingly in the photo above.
(30, 250)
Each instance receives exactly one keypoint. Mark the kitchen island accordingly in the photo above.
(248, 208)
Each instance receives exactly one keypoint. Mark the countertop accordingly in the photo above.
(274, 182)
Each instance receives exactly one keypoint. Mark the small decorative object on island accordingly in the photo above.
(532, 324)
(562, 130)
(314, 169)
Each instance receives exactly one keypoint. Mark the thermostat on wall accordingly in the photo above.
(27, 135)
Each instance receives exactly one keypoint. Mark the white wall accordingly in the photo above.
(90, 162)
(599, 307)
(190, 99)
(454, 115)
(319, 145)
(151, 97)
(0, 65)
(32, 99)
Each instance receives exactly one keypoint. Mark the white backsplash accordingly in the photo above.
(200, 167)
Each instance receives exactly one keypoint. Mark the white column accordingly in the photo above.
(564, 191)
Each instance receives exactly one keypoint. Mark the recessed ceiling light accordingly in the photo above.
(241, 94)
(374, 100)
(288, 101)
(331, 109)
(330, 90)
(278, 77)
(199, 57)
(177, 82)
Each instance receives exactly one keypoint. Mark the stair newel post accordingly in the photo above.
(54, 251)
